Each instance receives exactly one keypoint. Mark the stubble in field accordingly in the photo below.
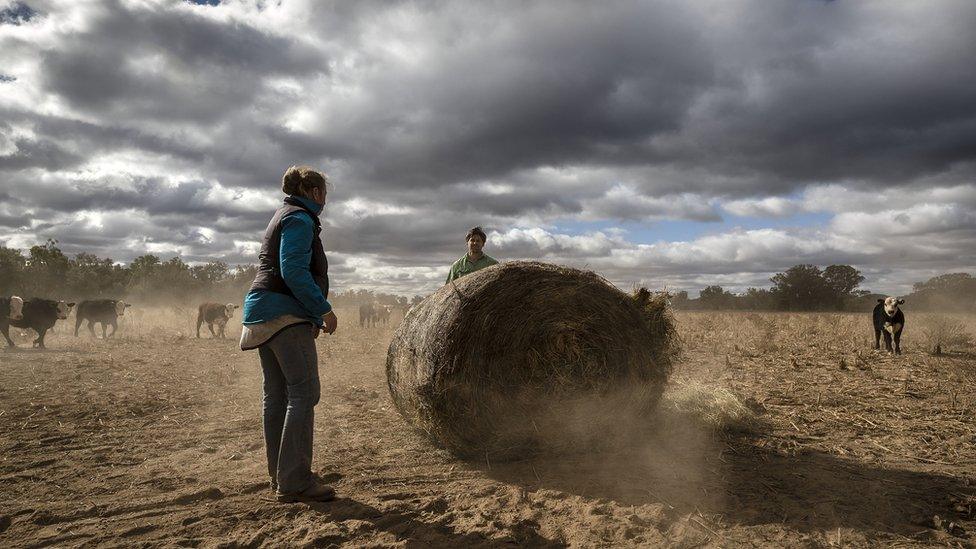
(783, 429)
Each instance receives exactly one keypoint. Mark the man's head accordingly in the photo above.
(305, 182)
(476, 241)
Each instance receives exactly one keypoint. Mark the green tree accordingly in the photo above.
(759, 299)
(801, 288)
(47, 268)
(12, 267)
(714, 297)
(143, 267)
(211, 273)
(841, 281)
(92, 276)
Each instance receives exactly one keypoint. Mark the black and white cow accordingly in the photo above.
(12, 308)
(889, 321)
(103, 311)
(39, 315)
(383, 314)
(215, 313)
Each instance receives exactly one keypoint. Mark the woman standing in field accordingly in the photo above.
(284, 311)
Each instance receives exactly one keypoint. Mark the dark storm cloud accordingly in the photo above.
(190, 200)
(432, 116)
(780, 96)
(169, 63)
(16, 13)
(753, 98)
(42, 153)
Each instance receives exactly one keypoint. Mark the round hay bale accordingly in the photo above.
(527, 356)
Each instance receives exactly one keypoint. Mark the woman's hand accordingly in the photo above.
(330, 321)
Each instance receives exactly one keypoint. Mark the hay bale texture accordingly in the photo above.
(527, 356)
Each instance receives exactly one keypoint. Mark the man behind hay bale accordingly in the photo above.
(475, 260)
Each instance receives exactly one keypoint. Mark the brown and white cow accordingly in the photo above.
(215, 313)
(103, 311)
(37, 314)
(12, 307)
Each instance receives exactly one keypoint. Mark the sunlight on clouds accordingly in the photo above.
(357, 208)
(248, 248)
(205, 235)
(773, 206)
(91, 220)
(166, 248)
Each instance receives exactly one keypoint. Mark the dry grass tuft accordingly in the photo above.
(944, 333)
(711, 408)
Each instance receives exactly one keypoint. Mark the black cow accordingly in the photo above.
(218, 313)
(39, 315)
(368, 314)
(890, 321)
(104, 311)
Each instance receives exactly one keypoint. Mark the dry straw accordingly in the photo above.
(528, 356)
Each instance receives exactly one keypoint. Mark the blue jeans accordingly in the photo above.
(291, 391)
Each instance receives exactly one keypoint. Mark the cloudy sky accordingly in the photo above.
(667, 143)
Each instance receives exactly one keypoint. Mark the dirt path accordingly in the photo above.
(154, 439)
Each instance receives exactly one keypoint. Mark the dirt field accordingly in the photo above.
(154, 439)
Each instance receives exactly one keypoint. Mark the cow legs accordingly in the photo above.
(39, 342)
(115, 328)
(212, 333)
(877, 337)
(78, 321)
(6, 335)
(896, 335)
(199, 323)
(103, 330)
(91, 328)
(887, 338)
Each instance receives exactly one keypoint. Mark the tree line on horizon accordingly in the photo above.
(45, 271)
(835, 288)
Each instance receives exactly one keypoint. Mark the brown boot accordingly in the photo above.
(317, 491)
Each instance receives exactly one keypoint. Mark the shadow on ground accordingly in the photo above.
(750, 485)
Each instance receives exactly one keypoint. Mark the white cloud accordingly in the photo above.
(772, 206)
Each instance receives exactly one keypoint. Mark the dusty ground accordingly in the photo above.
(154, 439)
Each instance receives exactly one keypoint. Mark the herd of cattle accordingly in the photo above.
(372, 313)
(40, 315)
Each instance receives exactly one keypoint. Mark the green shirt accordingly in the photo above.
(465, 266)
